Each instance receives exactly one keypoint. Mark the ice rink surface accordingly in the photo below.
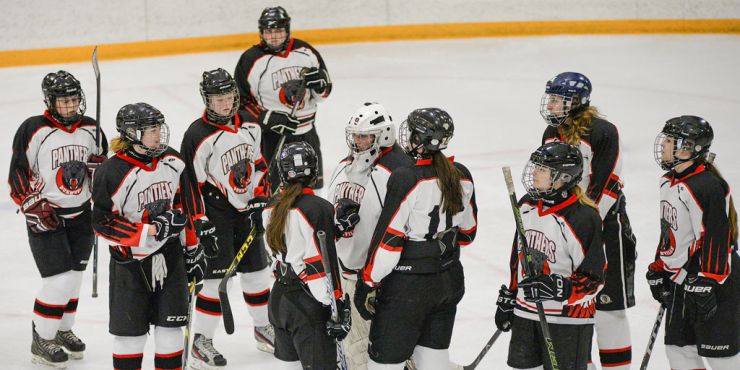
(491, 88)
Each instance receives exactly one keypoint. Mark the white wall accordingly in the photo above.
(33, 24)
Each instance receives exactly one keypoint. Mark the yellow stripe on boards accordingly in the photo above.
(12, 58)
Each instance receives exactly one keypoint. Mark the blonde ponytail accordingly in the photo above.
(574, 128)
(583, 198)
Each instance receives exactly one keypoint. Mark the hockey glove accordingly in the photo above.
(546, 288)
(505, 310)
(255, 206)
(658, 282)
(316, 79)
(365, 299)
(205, 230)
(701, 298)
(279, 122)
(340, 329)
(346, 216)
(159, 270)
(195, 264)
(40, 215)
(93, 162)
(169, 224)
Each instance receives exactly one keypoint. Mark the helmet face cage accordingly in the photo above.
(132, 122)
(349, 135)
(404, 138)
(555, 108)
(529, 182)
(274, 18)
(211, 113)
(63, 85)
(566, 95)
(690, 134)
(370, 119)
(298, 162)
(678, 144)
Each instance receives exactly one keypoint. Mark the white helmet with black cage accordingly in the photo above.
(370, 128)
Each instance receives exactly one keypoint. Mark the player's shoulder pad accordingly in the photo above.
(314, 208)
(402, 180)
(601, 128)
(33, 124)
(706, 186)
(395, 158)
(550, 133)
(526, 199)
(249, 120)
(464, 171)
(111, 171)
(170, 155)
(252, 54)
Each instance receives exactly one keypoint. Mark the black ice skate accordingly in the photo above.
(47, 352)
(71, 343)
(265, 337)
(204, 355)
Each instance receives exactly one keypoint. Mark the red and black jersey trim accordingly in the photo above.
(208, 305)
(615, 357)
(580, 311)
(127, 361)
(314, 269)
(582, 285)
(48, 310)
(393, 240)
(168, 361)
(119, 230)
(257, 299)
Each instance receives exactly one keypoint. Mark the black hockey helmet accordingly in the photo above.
(689, 133)
(217, 83)
(62, 84)
(565, 164)
(298, 162)
(427, 128)
(133, 119)
(272, 18)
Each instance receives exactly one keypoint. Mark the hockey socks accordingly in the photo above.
(207, 309)
(256, 291)
(52, 301)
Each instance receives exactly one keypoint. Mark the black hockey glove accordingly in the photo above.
(195, 264)
(279, 122)
(205, 230)
(658, 282)
(546, 288)
(255, 206)
(340, 329)
(701, 298)
(346, 216)
(40, 215)
(365, 298)
(316, 79)
(169, 224)
(505, 310)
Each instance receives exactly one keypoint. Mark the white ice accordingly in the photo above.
(492, 89)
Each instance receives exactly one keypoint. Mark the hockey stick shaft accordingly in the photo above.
(223, 292)
(193, 290)
(321, 235)
(653, 336)
(527, 266)
(97, 143)
(484, 351)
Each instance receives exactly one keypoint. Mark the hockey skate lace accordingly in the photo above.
(49, 346)
(268, 332)
(69, 337)
(207, 346)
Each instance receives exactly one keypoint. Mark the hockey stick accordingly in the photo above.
(483, 352)
(193, 290)
(296, 102)
(97, 143)
(223, 293)
(653, 336)
(527, 266)
(330, 286)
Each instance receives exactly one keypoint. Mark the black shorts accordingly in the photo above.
(64, 249)
(407, 315)
(718, 337)
(232, 229)
(270, 141)
(300, 328)
(133, 306)
(620, 244)
(572, 345)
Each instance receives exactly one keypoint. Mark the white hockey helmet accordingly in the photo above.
(370, 119)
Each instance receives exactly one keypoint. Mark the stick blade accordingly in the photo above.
(223, 296)
(95, 62)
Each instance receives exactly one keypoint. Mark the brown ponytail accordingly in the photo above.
(118, 143)
(278, 217)
(448, 179)
(583, 198)
(732, 214)
(574, 128)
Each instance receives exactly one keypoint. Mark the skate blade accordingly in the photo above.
(265, 347)
(197, 364)
(38, 360)
(75, 355)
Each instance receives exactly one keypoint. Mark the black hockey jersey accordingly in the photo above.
(602, 164)
(268, 80)
(412, 212)
(309, 215)
(51, 158)
(366, 185)
(695, 233)
(128, 194)
(568, 239)
(226, 157)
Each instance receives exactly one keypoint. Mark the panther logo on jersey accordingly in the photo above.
(668, 223)
(154, 209)
(292, 91)
(70, 177)
(348, 190)
(538, 241)
(155, 192)
(240, 176)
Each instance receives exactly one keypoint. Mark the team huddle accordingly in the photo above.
(343, 281)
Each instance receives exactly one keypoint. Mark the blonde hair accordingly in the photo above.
(575, 127)
(583, 198)
(118, 143)
(276, 225)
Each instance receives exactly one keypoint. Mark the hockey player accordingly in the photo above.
(141, 201)
(224, 162)
(270, 76)
(695, 270)
(299, 303)
(563, 231)
(429, 211)
(357, 189)
(50, 180)
(570, 117)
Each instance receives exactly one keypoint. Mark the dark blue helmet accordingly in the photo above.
(566, 95)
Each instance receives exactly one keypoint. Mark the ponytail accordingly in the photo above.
(279, 216)
(448, 179)
(583, 198)
(732, 214)
(575, 127)
(118, 143)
